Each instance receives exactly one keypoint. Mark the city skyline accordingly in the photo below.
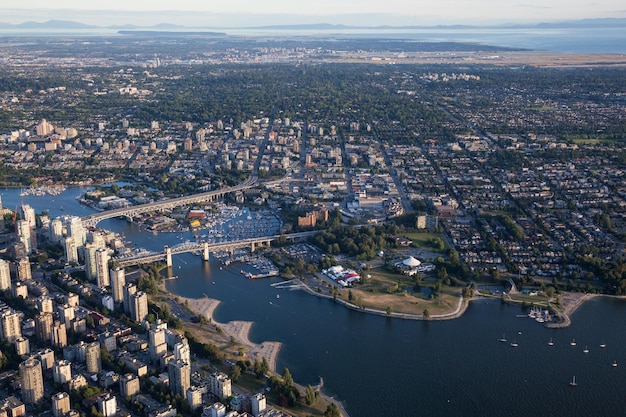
(349, 12)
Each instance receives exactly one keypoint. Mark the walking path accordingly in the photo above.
(460, 308)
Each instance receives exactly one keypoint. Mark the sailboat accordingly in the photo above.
(586, 350)
(573, 383)
(573, 342)
(514, 344)
(602, 345)
(503, 338)
(550, 343)
(614, 365)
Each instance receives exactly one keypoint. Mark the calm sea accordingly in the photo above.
(567, 40)
(387, 367)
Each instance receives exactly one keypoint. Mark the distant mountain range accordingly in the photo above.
(71, 25)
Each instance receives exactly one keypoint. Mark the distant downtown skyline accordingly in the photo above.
(238, 13)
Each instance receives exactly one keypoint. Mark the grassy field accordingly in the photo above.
(421, 239)
(376, 294)
(530, 299)
(584, 140)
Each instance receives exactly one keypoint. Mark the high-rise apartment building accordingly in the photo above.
(70, 247)
(59, 334)
(5, 275)
(180, 376)
(46, 358)
(60, 404)
(102, 268)
(66, 315)
(62, 371)
(43, 326)
(91, 267)
(129, 385)
(23, 235)
(92, 358)
(118, 280)
(31, 378)
(11, 325)
(76, 229)
(55, 229)
(139, 306)
(28, 214)
(45, 304)
(44, 128)
(107, 404)
(22, 346)
(220, 384)
(158, 345)
(24, 271)
(182, 351)
(129, 290)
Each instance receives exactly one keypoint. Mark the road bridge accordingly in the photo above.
(93, 219)
(206, 248)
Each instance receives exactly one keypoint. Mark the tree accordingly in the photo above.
(309, 395)
(287, 378)
(235, 373)
(442, 273)
(260, 368)
(332, 411)
(426, 313)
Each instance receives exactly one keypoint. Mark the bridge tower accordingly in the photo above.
(168, 256)
(205, 251)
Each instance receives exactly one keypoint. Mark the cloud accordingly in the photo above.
(533, 6)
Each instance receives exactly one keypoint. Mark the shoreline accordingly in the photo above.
(571, 303)
(458, 312)
(238, 330)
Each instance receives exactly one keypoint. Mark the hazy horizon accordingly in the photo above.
(243, 13)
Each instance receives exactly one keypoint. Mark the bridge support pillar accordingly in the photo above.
(205, 251)
(252, 247)
(168, 256)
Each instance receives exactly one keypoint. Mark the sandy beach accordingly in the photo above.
(238, 330)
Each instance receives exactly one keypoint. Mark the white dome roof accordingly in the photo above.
(411, 261)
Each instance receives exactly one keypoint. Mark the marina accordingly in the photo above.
(538, 314)
(43, 190)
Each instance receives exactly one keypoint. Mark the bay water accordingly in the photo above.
(379, 366)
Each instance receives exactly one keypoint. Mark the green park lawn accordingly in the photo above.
(377, 293)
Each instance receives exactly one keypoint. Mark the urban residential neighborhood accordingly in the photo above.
(400, 180)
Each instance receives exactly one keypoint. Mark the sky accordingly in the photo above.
(269, 12)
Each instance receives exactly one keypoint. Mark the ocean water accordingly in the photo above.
(381, 366)
(563, 40)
